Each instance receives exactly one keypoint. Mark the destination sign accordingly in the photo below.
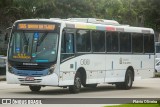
(21, 56)
(30, 26)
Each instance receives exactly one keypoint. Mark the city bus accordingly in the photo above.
(78, 52)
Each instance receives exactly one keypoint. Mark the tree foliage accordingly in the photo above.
(133, 12)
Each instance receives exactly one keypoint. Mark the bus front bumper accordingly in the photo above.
(49, 80)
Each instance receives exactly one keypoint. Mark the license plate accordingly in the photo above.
(29, 78)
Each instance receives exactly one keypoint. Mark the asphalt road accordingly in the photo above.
(146, 88)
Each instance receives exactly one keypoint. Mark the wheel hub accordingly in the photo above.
(78, 83)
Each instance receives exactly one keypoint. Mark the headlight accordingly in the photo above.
(51, 69)
(10, 69)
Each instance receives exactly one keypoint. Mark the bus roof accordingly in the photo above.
(108, 25)
(120, 28)
(38, 20)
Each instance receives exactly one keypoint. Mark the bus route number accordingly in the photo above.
(84, 61)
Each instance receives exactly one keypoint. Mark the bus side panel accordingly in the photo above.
(116, 66)
(107, 68)
(143, 66)
(93, 64)
(67, 72)
(96, 68)
(150, 65)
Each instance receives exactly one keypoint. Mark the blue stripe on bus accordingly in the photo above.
(30, 72)
(41, 60)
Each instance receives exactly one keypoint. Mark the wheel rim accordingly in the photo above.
(77, 83)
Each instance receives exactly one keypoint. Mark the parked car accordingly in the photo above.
(2, 61)
(3, 65)
(156, 60)
(157, 66)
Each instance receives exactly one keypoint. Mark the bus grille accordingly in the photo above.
(22, 80)
(34, 68)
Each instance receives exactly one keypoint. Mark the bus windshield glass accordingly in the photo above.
(33, 46)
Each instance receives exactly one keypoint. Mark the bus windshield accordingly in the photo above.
(33, 46)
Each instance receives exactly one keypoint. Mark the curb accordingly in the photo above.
(3, 78)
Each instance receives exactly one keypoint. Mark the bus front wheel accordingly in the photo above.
(35, 88)
(77, 84)
(127, 84)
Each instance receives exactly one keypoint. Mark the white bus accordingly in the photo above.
(75, 52)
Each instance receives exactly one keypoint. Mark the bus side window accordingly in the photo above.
(137, 43)
(148, 43)
(67, 48)
(67, 43)
(112, 41)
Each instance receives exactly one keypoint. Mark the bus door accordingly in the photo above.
(67, 66)
(67, 46)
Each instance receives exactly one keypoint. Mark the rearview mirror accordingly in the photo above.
(9, 28)
(6, 38)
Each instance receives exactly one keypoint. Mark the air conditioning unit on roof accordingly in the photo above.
(94, 20)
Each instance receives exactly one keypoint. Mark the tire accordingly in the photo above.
(77, 84)
(155, 71)
(35, 88)
(127, 84)
(91, 85)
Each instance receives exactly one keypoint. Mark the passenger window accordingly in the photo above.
(125, 42)
(137, 43)
(148, 43)
(83, 41)
(98, 41)
(112, 41)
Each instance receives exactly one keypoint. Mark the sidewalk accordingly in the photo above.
(2, 77)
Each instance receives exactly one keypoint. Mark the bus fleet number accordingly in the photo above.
(84, 61)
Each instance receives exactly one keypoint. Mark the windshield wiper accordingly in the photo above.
(25, 39)
(42, 38)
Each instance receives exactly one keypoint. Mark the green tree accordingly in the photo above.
(133, 12)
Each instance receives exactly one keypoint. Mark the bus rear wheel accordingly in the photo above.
(77, 84)
(127, 84)
(35, 88)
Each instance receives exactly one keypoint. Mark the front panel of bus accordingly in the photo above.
(32, 53)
